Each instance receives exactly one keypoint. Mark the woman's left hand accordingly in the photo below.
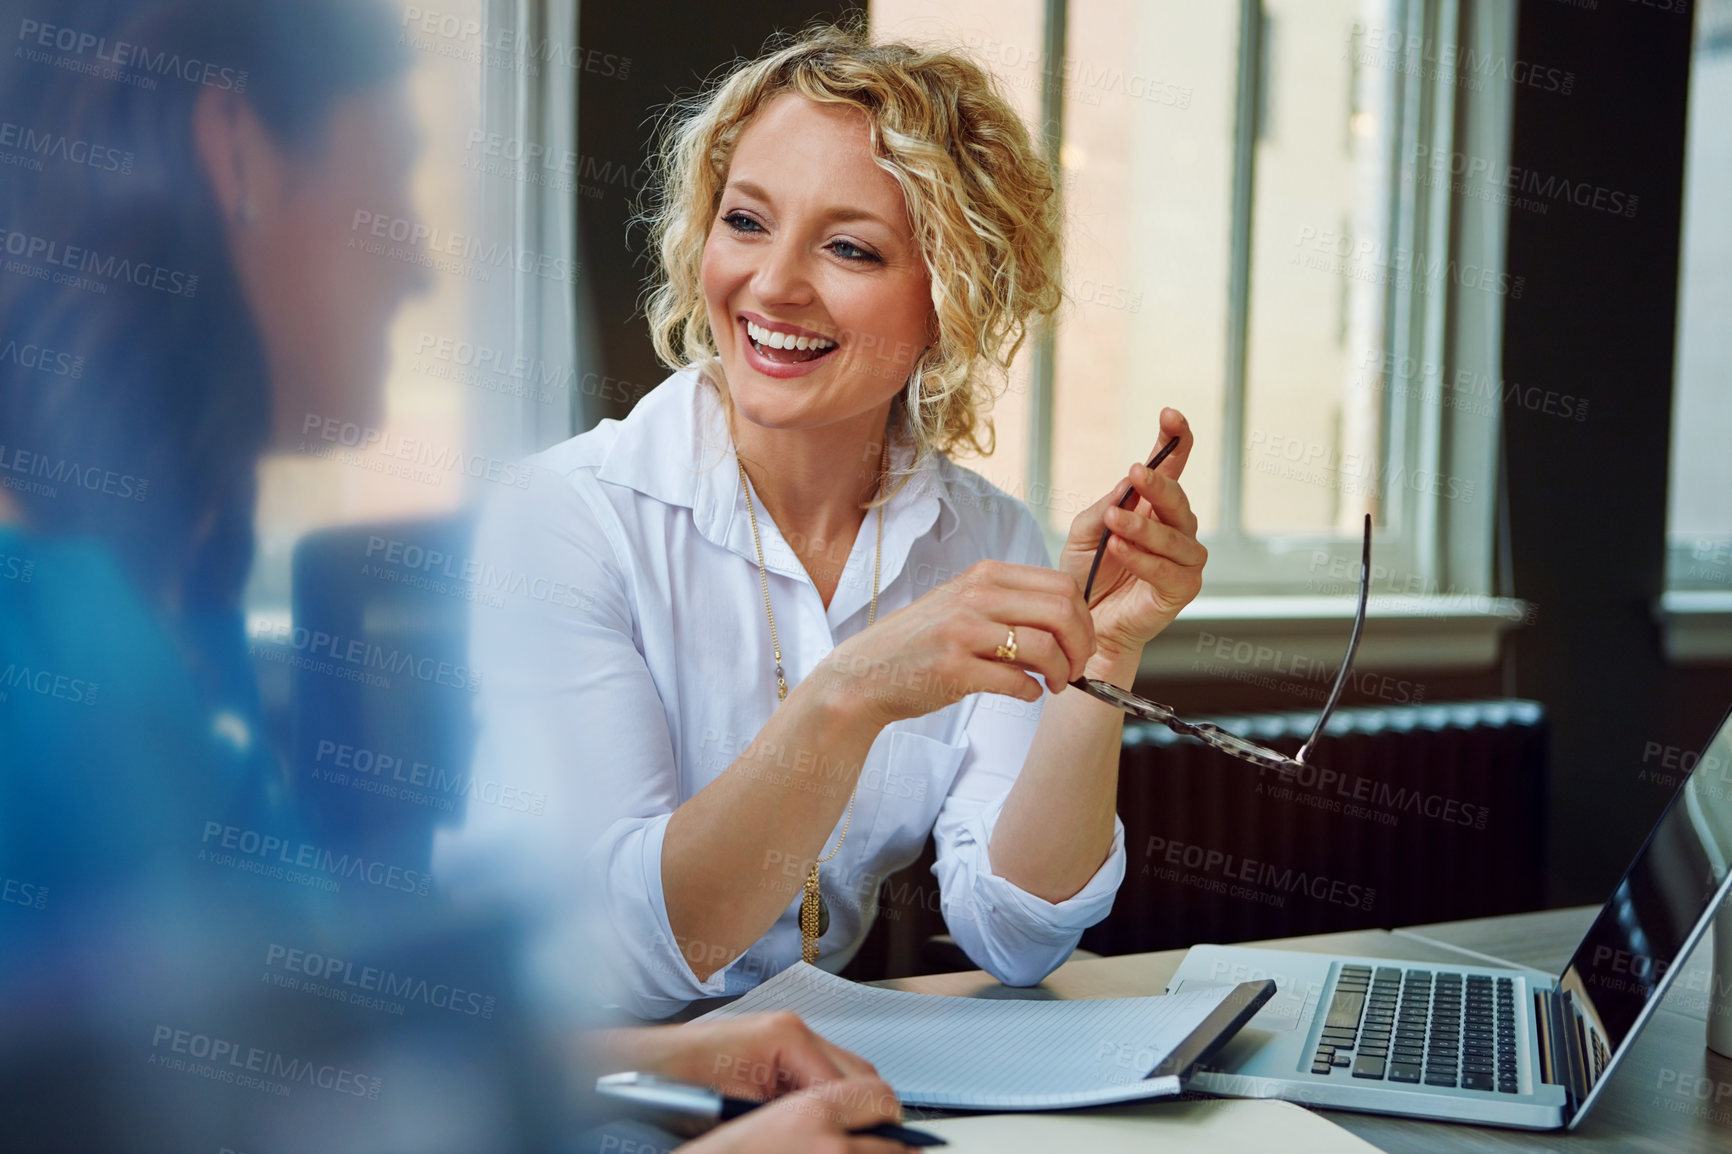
(1153, 565)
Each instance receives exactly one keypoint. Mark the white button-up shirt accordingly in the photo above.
(628, 662)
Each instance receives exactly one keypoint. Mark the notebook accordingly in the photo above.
(1002, 1054)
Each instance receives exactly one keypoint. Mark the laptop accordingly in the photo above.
(1484, 1043)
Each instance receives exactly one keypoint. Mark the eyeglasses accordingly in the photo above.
(1213, 735)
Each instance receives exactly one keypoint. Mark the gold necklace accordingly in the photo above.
(814, 911)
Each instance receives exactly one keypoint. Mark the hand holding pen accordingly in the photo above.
(858, 1114)
(701, 1074)
(1135, 552)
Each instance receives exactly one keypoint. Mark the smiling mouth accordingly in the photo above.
(790, 354)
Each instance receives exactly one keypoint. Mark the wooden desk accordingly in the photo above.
(1651, 1105)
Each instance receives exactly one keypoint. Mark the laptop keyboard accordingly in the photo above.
(1417, 1026)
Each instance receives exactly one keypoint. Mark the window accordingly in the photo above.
(1268, 226)
(1698, 602)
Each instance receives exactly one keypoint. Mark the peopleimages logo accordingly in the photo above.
(253, 1066)
(1230, 875)
(1691, 1093)
(416, 782)
(48, 472)
(1244, 661)
(28, 355)
(1464, 389)
(500, 46)
(84, 264)
(409, 557)
(302, 863)
(21, 893)
(1413, 54)
(1474, 170)
(355, 659)
(498, 370)
(1352, 472)
(26, 147)
(396, 454)
(123, 56)
(46, 683)
(423, 243)
(1629, 970)
(1374, 262)
(1381, 802)
(368, 986)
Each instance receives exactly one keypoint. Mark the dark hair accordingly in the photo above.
(144, 427)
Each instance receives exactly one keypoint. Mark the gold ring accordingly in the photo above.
(1007, 651)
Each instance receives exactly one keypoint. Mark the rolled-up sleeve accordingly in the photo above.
(1010, 933)
(569, 717)
(1013, 935)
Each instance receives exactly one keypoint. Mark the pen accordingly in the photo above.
(1154, 462)
(690, 1110)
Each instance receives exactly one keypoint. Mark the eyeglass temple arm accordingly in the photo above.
(1352, 646)
(1100, 550)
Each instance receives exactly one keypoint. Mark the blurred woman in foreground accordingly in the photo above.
(177, 297)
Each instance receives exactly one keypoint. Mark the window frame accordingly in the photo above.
(1694, 612)
(1258, 584)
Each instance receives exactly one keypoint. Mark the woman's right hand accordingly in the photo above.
(755, 1056)
(942, 648)
(814, 1121)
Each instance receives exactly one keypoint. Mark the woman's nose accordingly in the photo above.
(782, 275)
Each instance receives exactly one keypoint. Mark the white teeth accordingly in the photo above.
(779, 340)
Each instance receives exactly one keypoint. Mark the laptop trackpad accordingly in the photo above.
(1280, 1012)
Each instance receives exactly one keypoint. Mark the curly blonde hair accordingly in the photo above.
(980, 197)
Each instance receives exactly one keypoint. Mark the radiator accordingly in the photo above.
(1416, 814)
(1413, 814)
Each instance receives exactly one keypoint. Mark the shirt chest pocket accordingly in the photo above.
(907, 789)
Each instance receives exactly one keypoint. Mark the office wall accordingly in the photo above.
(1587, 499)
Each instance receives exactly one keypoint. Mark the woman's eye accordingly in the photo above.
(847, 250)
(744, 225)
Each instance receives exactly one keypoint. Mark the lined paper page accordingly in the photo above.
(988, 1054)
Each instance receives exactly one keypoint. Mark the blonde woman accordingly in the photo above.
(789, 638)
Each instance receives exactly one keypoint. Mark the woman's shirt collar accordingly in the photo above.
(674, 447)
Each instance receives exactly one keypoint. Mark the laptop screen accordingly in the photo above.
(1642, 930)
